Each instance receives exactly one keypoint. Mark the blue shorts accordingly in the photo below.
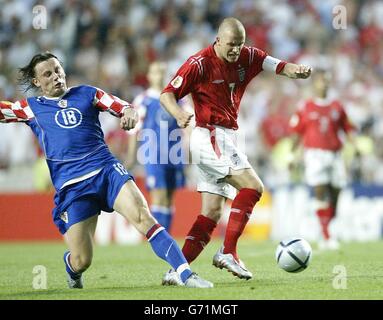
(84, 199)
(164, 177)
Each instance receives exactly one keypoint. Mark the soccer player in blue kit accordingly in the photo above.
(86, 176)
(160, 149)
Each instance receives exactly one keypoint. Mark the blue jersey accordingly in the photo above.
(159, 131)
(68, 130)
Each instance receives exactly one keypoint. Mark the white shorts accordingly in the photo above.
(215, 152)
(324, 167)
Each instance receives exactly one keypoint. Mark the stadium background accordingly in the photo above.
(109, 44)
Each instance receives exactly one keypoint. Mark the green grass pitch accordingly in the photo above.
(135, 273)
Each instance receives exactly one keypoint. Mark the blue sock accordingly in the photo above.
(74, 275)
(167, 249)
(163, 215)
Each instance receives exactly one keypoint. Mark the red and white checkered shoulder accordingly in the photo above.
(110, 103)
(18, 111)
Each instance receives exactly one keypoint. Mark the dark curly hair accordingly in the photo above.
(27, 73)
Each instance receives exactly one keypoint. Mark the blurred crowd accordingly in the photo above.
(110, 43)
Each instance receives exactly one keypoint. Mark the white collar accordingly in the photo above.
(59, 97)
(322, 102)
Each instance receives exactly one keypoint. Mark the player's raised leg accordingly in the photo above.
(131, 204)
(79, 257)
(250, 190)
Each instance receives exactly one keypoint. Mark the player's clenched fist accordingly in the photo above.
(183, 118)
(302, 71)
(129, 119)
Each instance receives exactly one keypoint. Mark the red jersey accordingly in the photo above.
(275, 127)
(216, 86)
(319, 124)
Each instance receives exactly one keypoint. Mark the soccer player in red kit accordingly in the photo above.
(217, 77)
(317, 124)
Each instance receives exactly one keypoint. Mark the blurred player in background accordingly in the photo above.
(166, 173)
(217, 77)
(318, 124)
(86, 176)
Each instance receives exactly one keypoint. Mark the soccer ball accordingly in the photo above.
(293, 254)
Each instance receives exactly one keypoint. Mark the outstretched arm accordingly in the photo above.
(296, 71)
(260, 60)
(117, 107)
(15, 112)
